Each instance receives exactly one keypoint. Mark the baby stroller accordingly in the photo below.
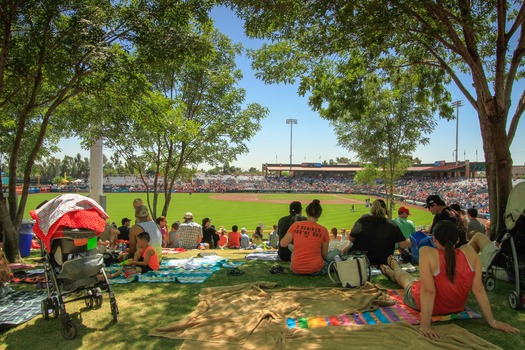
(72, 264)
(511, 255)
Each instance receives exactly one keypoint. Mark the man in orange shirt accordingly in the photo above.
(234, 238)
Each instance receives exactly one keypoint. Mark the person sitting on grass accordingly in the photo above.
(223, 239)
(146, 257)
(257, 237)
(310, 243)
(234, 238)
(447, 275)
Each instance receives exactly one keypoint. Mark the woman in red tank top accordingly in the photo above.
(447, 275)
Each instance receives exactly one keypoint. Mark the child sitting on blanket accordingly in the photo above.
(145, 257)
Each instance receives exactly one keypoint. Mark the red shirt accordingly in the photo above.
(450, 297)
(234, 239)
(308, 239)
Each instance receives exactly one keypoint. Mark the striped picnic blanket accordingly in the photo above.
(17, 307)
(384, 314)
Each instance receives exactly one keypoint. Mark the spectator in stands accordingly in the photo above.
(145, 224)
(295, 210)
(473, 224)
(310, 243)
(162, 223)
(124, 229)
(190, 232)
(208, 231)
(274, 237)
(234, 238)
(406, 226)
(377, 235)
(245, 239)
(174, 237)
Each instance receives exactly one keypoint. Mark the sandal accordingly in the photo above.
(235, 272)
(384, 270)
(390, 260)
(276, 270)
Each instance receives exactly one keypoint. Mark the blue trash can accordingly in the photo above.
(24, 239)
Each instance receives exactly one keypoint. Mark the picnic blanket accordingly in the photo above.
(383, 314)
(186, 271)
(17, 307)
(270, 255)
(253, 316)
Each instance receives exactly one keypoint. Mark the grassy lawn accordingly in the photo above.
(243, 214)
(144, 306)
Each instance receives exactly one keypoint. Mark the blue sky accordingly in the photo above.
(313, 137)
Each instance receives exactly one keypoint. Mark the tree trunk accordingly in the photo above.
(499, 170)
(10, 246)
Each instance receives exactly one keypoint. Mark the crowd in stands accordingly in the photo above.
(467, 193)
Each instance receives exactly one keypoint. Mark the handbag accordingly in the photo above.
(352, 272)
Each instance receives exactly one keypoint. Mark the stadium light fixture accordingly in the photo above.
(457, 104)
(291, 122)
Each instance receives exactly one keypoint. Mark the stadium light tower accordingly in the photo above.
(457, 104)
(291, 122)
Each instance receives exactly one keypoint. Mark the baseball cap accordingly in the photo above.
(125, 220)
(141, 211)
(402, 209)
(188, 215)
(296, 207)
(434, 199)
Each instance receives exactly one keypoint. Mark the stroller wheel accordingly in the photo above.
(114, 311)
(55, 306)
(89, 301)
(44, 308)
(98, 301)
(69, 330)
(490, 283)
(514, 300)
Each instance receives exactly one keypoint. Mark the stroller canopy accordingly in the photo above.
(515, 205)
(67, 210)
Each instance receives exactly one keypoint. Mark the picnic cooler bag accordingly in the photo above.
(354, 271)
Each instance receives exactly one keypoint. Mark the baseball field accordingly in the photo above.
(247, 210)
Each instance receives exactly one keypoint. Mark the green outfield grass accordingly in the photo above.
(244, 214)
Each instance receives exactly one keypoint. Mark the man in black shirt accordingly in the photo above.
(284, 224)
(124, 229)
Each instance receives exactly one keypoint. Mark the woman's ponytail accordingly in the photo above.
(450, 260)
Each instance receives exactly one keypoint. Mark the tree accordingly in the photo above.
(52, 51)
(190, 113)
(478, 45)
(388, 130)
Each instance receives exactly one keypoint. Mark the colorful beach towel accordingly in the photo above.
(17, 307)
(383, 315)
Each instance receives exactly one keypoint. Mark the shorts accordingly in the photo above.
(408, 298)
